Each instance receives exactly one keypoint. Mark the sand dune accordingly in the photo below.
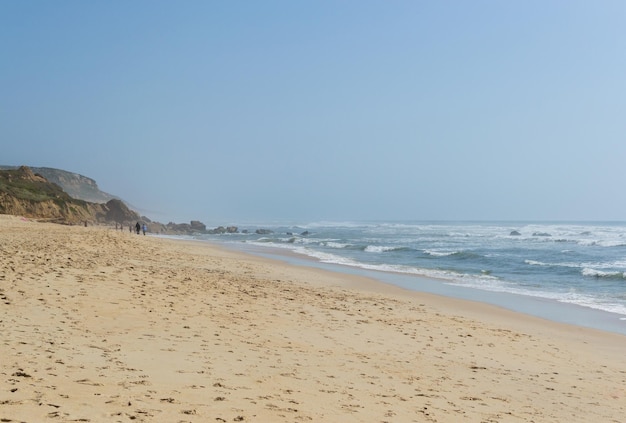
(101, 325)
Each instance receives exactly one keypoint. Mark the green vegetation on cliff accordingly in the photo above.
(57, 195)
(23, 184)
(25, 193)
(75, 185)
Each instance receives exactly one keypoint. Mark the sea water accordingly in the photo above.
(581, 264)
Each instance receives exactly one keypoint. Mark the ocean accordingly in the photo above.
(526, 266)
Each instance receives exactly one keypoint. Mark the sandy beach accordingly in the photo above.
(100, 325)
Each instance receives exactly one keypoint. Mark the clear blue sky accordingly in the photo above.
(253, 110)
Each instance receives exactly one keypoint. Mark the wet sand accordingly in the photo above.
(101, 325)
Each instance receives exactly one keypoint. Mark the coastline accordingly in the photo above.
(545, 308)
(106, 326)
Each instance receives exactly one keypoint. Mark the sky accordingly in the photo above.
(236, 111)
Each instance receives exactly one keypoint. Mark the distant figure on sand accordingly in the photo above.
(145, 228)
(138, 228)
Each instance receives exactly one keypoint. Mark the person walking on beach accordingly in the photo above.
(145, 228)
(138, 228)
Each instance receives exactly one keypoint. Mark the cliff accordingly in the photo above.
(29, 194)
(57, 195)
(75, 185)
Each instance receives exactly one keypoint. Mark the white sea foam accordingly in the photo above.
(601, 274)
(563, 264)
(440, 253)
(305, 241)
(569, 298)
(536, 263)
(337, 245)
(611, 243)
(595, 303)
(617, 263)
(379, 248)
(328, 257)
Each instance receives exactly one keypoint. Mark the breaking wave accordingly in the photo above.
(599, 274)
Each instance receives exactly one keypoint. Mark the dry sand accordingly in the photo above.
(100, 325)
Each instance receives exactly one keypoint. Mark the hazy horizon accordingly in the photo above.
(345, 111)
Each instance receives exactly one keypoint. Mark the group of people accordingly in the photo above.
(139, 227)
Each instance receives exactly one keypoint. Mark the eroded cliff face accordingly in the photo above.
(27, 194)
(77, 186)
(52, 210)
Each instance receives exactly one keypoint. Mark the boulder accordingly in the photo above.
(218, 230)
(178, 227)
(198, 226)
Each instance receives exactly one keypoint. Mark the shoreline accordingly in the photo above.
(545, 308)
(102, 325)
